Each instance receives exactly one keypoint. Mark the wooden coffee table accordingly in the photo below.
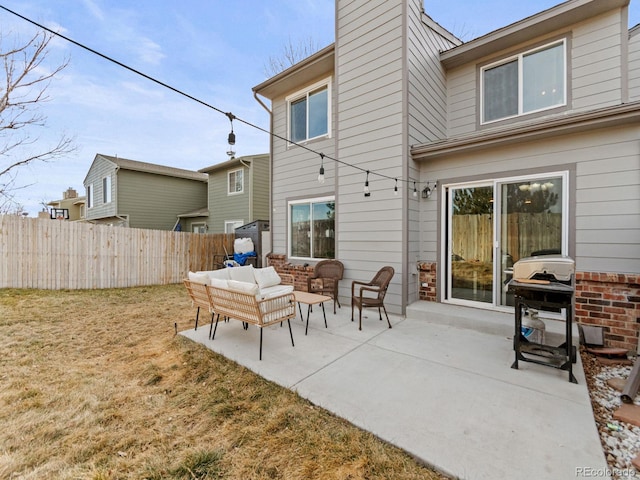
(310, 299)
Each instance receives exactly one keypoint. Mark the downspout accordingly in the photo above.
(255, 95)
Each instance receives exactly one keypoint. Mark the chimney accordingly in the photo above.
(70, 193)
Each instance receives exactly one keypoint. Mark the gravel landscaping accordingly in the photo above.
(620, 440)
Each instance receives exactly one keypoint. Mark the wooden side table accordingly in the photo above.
(310, 299)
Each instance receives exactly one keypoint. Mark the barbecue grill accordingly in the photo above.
(544, 283)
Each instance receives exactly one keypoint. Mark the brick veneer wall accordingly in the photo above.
(428, 277)
(610, 300)
(300, 272)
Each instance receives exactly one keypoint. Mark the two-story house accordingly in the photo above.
(238, 192)
(69, 207)
(129, 193)
(474, 155)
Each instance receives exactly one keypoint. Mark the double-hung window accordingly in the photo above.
(309, 112)
(312, 228)
(235, 181)
(532, 81)
(90, 196)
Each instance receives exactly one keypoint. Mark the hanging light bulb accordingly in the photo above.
(321, 174)
(415, 190)
(367, 192)
(395, 189)
(231, 139)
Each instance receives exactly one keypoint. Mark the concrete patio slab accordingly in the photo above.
(438, 385)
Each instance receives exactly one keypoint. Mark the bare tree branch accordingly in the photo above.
(24, 79)
(290, 55)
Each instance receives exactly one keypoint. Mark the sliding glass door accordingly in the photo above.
(471, 243)
(490, 226)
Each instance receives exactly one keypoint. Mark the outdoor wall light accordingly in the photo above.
(415, 190)
(367, 192)
(427, 191)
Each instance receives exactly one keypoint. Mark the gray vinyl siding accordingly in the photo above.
(154, 201)
(595, 73)
(605, 233)
(295, 170)
(260, 182)
(370, 50)
(634, 65)
(596, 62)
(99, 169)
(427, 119)
(223, 206)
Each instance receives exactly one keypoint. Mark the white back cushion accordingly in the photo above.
(242, 274)
(199, 278)
(266, 277)
(244, 287)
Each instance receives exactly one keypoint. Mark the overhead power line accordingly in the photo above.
(229, 115)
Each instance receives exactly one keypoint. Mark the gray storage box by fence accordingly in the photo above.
(254, 231)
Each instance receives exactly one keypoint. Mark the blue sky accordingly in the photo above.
(213, 50)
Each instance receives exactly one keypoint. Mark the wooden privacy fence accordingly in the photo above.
(53, 254)
(525, 233)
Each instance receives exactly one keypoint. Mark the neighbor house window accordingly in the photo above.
(90, 195)
(231, 225)
(309, 112)
(236, 183)
(312, 228)
(106, 190)
(529, 82)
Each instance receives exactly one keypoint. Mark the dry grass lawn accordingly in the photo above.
(96, 385)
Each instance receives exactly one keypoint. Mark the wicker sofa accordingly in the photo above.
(263, 301)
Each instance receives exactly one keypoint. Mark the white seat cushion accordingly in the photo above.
(275, 291)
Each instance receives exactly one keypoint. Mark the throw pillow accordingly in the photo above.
(267, 277)
(244, 287)
(242, 274)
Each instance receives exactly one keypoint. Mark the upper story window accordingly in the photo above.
(309, 112)
(529, 82)
(106, 189)
(90, 195)
(235, 181)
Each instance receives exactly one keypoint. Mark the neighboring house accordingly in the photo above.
(531, 133)
(141, 195)
(70, 207)
(238, 193)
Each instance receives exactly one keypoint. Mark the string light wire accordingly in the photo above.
(229, 115)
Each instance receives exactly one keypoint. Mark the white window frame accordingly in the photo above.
(201, 227)
(519, 57)
(90, 203)
(229, 173)
(106, 189)
(309, 201)
(305, 93)
(233, 224)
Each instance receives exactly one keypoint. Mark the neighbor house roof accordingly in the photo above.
(137, 166)
(234, 162)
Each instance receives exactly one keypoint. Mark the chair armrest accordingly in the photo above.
(356, 282)
(286, 279)
(369, 288)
